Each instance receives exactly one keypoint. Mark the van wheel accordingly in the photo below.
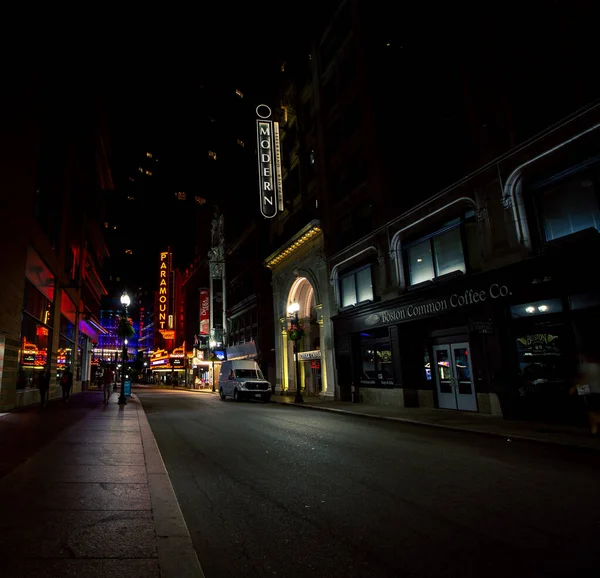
(236, 395)
(221, 394)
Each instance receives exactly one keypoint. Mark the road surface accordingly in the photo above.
(272, 490)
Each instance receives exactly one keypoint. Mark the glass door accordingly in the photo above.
(454, 377)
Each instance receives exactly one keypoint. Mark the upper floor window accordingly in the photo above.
(149, 173)
(212, 155)
(240, 142)
(200, 200)
(436, 255)
(181, 196)
(356, 287)
(149, 155)
(239, 93)
(569, 207)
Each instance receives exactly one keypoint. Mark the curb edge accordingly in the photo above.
(176, 555)
(506, 436)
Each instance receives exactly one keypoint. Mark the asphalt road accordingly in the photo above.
(272, 490)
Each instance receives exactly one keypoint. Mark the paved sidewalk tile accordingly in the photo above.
(79, 502)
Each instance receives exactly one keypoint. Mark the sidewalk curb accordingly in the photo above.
(505, 436)
(176, 555)
(189, 389)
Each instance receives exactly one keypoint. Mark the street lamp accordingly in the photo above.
(125, 302)
(293, 312)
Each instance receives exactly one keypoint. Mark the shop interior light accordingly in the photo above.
(530, 309)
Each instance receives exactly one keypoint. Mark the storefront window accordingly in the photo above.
(376, 359)
(357, 287)
(34, 351)
(36, 336)
(541, 359)
(569, 207)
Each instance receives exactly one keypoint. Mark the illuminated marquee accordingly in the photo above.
(162, 321)
(269, 163)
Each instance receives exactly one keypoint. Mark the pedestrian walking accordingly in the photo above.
(108, 384)
(43, 384)
(66, 383)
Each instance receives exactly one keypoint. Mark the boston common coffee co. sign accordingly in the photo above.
(440, 305)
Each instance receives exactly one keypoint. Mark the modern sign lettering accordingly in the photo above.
(269, 163)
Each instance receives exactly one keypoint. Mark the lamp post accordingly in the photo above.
(293, 311)
(122, 398)
(213, 344)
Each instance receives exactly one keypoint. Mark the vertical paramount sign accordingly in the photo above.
(269, 163)
(163, 291)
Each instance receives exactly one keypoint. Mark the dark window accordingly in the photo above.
(569, 207)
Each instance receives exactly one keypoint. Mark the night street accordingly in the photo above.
(276, 490)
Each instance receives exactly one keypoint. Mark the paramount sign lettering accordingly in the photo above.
(163, 322)
(416, 310)
(269, 163)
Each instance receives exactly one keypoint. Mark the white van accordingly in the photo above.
(243, 379)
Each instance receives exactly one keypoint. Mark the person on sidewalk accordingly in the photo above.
(66, 383)
(43, 384)
(588, 386)
(108, 384)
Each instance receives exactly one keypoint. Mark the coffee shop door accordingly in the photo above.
(454, 377)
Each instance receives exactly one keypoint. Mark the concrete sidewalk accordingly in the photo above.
(95, 501)
(571, 436)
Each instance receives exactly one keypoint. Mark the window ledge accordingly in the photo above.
(452, 275)
(421, 285)
(589, 234)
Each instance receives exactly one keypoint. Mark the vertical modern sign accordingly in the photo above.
(269, 163)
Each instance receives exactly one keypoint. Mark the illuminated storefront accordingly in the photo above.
(36, 324)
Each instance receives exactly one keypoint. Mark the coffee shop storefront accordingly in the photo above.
(506, 342)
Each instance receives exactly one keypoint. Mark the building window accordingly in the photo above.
(149, 173)
(240, 142)
(435, 256)
(212, 155)
(376, 359)
(569, 207)
(140, 169)
(181, 196)
(200, 200)
(128, 252)
(149, 155)
(239, 93)
(356, 287)
(130, 198)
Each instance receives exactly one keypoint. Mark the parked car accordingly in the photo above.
(243, 379)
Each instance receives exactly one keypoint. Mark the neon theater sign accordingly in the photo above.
(164, 326)
(270, 182)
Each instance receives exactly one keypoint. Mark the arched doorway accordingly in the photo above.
(303, 293)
